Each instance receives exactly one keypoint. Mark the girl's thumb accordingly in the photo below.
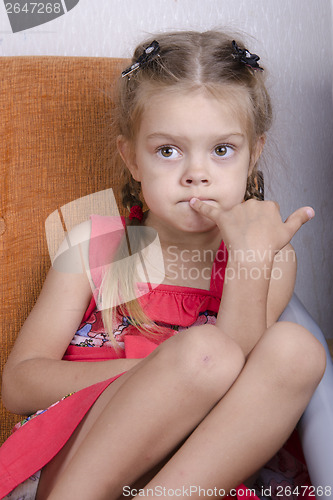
(296, 220)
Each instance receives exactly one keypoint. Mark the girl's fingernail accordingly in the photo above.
(192, 201)
(310, 212)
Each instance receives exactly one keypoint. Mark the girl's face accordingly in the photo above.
(189, 145)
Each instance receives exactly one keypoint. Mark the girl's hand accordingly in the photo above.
(254, 226)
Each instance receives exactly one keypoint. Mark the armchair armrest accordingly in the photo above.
(316, 425)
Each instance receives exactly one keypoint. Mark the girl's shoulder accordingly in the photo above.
(106, 224)
(106, 233)
(89, 246)
(74, 249)
(86, 237)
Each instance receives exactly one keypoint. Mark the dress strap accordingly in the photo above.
(106, 235)
(218, 270)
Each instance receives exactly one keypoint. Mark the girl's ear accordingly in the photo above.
(126, 151)
(256, 152)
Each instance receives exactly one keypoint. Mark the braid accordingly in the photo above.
(255, 186)
(131, 198)
(131, 193)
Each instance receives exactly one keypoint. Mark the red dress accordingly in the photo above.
(43, 435)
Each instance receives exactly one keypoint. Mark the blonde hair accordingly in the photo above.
(187, 61)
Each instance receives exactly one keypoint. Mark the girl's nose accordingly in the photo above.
(195, 176)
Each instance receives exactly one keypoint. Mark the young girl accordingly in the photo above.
(194, 390)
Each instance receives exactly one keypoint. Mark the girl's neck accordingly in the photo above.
(185, 254)
(184, 240)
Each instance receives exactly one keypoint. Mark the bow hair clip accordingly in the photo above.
(147, 55)
(245, 57)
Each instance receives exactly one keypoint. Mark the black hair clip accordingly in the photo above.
(245, 57)
(148, 54)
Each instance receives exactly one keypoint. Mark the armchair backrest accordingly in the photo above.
(54, 148)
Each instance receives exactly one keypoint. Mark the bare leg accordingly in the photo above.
(251, 423)
(148, 415)
(137, 429)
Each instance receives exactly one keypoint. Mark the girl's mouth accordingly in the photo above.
(210, 201)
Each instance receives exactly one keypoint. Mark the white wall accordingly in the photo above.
(294, 40)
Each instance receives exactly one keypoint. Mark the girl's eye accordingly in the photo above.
(223, 151)
(168, 152)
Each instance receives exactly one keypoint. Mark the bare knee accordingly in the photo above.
(204, 356)
(298, 356)
(211, 350)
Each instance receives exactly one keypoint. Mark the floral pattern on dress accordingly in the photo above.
(26, 490)
(91, 332)
(204, 318)
(284, 477)
(38, 412)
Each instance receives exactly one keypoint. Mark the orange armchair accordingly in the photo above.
(54, 148)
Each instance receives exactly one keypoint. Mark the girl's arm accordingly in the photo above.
(282, 283)
(35, 375)
(254, 298)
(243, 309)
(257, 241)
